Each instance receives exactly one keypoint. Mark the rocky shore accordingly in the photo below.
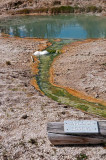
(24, 111)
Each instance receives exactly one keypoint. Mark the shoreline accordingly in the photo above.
(46, 14)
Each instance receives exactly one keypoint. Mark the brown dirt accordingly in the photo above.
(82, 67)
(24, 112)
(12, 6)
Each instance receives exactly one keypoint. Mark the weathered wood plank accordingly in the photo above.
(58, 127)
(55, 127)
(57, 136)
(59, 139)
(102, 127)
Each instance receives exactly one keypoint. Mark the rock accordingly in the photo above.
(25, 84)
(24, 116)
(97, 96)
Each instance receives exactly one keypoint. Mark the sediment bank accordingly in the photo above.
(82, 68)
(13, 7)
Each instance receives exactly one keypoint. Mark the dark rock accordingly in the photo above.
(63, 113)
(25, 84)
(66, 107)
(24, 116)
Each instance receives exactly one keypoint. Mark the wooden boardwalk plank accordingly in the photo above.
(57, 136)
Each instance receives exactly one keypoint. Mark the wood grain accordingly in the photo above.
(57, 136)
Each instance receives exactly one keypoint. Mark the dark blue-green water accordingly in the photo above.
(58, 26)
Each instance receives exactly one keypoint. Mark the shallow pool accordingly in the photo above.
(57, 26)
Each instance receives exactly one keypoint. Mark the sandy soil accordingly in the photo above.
(24, 112)
(83, 67)
(10, 7)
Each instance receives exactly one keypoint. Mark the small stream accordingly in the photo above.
(59, 94)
